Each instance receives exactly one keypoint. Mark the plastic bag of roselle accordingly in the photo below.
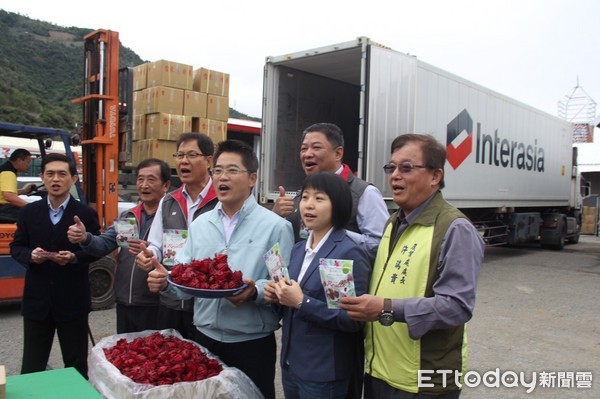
(163, 365)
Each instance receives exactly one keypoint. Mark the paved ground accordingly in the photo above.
(537, 311)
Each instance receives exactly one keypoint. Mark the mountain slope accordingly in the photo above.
(42, 71)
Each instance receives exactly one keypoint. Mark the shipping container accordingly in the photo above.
(507, 163)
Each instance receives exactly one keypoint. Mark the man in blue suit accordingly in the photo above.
(56, 296)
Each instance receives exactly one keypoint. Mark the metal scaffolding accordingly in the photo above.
(579, 109)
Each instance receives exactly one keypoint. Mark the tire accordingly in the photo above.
(561, 242)
(102, 279)
(574, 239)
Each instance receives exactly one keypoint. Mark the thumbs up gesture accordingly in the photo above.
(157, 278)
(77, 233)
(144, 258)
(284, 205)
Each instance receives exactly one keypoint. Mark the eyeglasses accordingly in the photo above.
(404, 167)
(231, 171)
(189, 155)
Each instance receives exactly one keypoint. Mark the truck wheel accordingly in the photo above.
(102, 278)
(574, 239)
(561, 242)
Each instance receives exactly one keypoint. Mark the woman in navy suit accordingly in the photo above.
(318, 350)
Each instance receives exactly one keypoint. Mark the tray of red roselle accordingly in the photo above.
(207, 278)
(161, 364)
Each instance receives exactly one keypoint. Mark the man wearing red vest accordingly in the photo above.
(175, 213)
(322, 150)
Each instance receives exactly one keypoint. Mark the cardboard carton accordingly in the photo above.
(138, 130)
(188, 124)
(164, 126)
(194, 104)
(139, 102)
(140, 151)
(170, 74)
(211, 82)
(162, 150)
(163, 99)
(140, 74)
(216, 130)
(217, 108)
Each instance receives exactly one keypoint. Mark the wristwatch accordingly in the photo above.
(386, 318)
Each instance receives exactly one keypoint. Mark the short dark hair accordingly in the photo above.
(331, 131)
(19, 153)
(238, 147)
(338, 191)
(55, 157)
(165, 171)
(204, 142)
(434, 153)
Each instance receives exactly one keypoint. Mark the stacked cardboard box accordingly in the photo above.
(590, 220)
(170, 74)
(170, 98)
(215, 86)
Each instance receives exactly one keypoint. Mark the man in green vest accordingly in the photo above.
(422, 289)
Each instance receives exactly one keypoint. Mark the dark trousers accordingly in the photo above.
(295, 387)
(256, 358)
(179, 320)
(136, 318)
(38, 336)
(379, 389)
(355, 387)
(9, 213)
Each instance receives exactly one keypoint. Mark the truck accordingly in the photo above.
(510, 167)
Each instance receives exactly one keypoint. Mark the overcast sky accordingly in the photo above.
(530, 50)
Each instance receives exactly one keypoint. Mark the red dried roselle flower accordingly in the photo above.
(200, 265)
(222, 266)
(221, 258)
(230, 285)
(207, 273)
(223, 275)
(176, 271)
(213, 364)
(173, 360)
(237, 277)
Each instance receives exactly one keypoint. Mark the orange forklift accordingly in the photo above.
(105, 135)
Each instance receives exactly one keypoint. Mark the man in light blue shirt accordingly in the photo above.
(240, 328)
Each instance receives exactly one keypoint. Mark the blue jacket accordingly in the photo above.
(318, 343)
(256, 231)
(61, 293)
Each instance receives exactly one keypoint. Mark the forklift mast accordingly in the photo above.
(100, 132)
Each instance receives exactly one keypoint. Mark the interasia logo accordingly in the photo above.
(459, 139)
(491, 150)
